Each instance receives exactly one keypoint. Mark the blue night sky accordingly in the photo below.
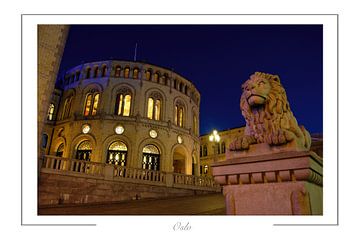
(217, 59)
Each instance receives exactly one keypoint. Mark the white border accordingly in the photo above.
(210, 223)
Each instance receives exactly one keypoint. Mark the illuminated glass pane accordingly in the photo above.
(119, 104)
(195, 124)
(150, 108)
(181, 117)
(126, 73)
(95, 104)
(151, 149)
(85, 145)
(87, 105)
(148, 75)
(127, 105)
(135, 73)
(51, 112)
(176, 115)
(118, 146)
(157, 109)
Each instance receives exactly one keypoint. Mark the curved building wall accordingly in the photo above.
(97, 94)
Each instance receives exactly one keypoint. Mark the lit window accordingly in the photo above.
(156, 77)
(179, 114)
(60, 150)
(117, 153)
(151, 157)
(157, 109)
(126, 72)
(117, 71)
(51, 112)
(135, 73)
(206, 169)
(83, 151)
(148, 75)
(123, 103)
(91, 103)
(150, 108)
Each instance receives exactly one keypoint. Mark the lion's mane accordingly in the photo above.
(265, 122)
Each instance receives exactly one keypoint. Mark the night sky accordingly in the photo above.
(217, 59)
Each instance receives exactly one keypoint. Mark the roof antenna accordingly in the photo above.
(135, 52)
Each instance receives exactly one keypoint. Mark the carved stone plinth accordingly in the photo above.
(281, 183)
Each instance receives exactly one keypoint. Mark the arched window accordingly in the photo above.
(123, 102)
(179, 114)
(151, 157)
(148, 75)
(175, 84)
(154, 106)
(60, 150)
(84, 150)
(117, 153)
(51, 110)
(77, 75)
(223, 147)
(126, 72)
(186, 89)
(201, 152)
(91, 103)
(135, 73)
(156, 77)
(206, 169)
(96, 71)
(44, 141)
(67, 108)
(181, 86)
(88, 70)
(205, 150)
(195, 124)
(117, 71)
(103, 71)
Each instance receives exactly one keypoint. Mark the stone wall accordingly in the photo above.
(55, 189)
(51, 43)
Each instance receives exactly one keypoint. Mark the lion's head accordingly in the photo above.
(267, 112)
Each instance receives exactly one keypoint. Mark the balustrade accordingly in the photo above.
(122, 173)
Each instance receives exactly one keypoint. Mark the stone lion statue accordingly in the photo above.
(269, 120)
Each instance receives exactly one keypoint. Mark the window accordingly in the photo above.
(135, 73)
(60, 150)
(103, 72)
(223, 147)
(154, 107)
(148, 75)
(151, 157)
(205, 150)
(179, 114)
(84, 150)
(77, 75)
(186, 89)
(201, 153)
(88, 70)
(96, 71)
(91, 103)
(156, 77)
(126, 72)
(67, 108)
(44, 141)
(117, 153)
(51, 110)
(123, 103)
(206, 169)
(117, 71)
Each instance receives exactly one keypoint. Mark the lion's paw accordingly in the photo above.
(241, 143)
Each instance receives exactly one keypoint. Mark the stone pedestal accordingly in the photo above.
(275, 183)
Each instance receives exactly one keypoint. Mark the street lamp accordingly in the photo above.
(215, 137)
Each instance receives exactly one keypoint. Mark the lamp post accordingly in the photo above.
(215, 137)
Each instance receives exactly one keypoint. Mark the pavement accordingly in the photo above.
(211, 204)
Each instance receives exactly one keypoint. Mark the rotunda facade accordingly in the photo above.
(126, 113)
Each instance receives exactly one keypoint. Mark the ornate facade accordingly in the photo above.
(125, 113)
